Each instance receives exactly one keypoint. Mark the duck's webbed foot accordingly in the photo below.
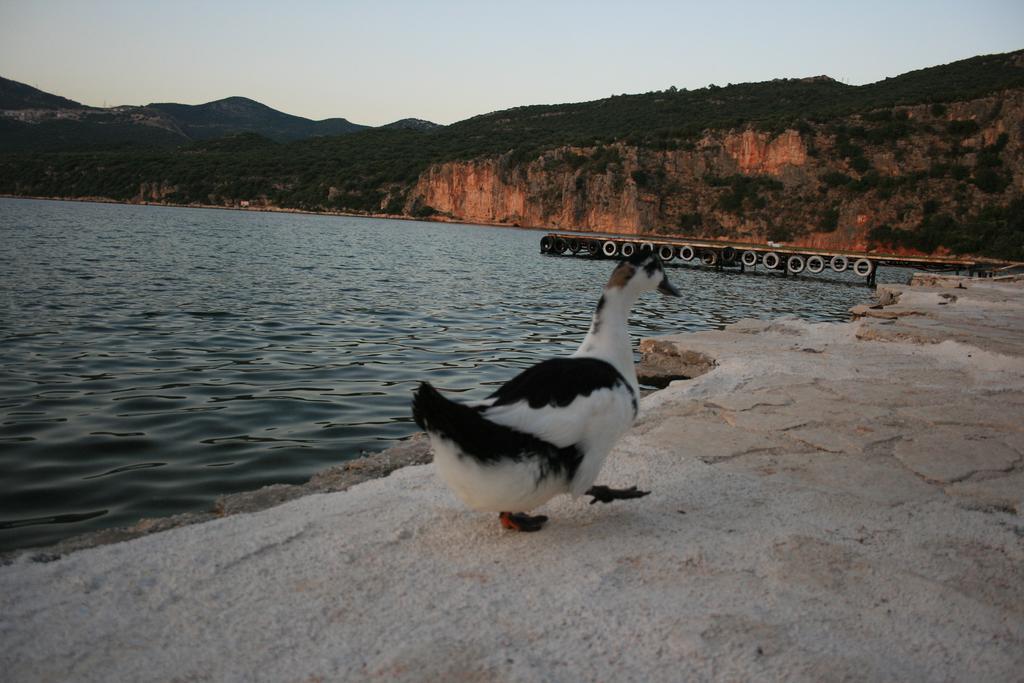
(520, 521)
(604, 494)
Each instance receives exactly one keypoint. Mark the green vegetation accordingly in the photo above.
(744, 191)
(989, 180)
(962, 128)
(360, 167)
(374, 170)
(690, 222)
(988, 176)
(780, 233)
(829, 220)
(836, 179)
(997, 231)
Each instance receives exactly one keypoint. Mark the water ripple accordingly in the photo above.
(152, 358)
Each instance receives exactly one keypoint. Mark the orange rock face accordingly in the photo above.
(757, 153)
(488, 191)
(743, 184)
(472, 191)
(542, 194)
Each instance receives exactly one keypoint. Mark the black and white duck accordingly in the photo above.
(549, 429)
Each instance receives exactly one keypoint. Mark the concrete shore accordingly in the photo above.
(829, 502)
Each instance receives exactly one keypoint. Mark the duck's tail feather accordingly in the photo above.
(477, 436)
(455, 421)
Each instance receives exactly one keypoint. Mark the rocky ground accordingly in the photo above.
(829, 502)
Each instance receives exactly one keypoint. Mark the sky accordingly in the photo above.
(377, 62)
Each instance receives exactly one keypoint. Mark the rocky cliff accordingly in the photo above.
(860, 182)
(925, 162)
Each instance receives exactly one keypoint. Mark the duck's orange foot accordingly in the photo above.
(519, 521)
(604, 494)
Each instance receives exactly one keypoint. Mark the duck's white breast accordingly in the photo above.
(502, 486)
(595, 417)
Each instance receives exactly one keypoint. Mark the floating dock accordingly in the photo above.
(773, 257)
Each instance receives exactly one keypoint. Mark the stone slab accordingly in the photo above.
(759, 555)
(949, 455)
(1003, 492)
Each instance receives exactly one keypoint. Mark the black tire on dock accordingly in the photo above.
(795, 264)
(728, 255)
(575, 246)
(771, 260)
(863, 267)
(593, 247)
(609, 248)
(546, 243)
(709, 257)
(560, 245)
(839, 263)
(815, 264)
(686, 252)
(628, 249)
(666, 253)
(749, 258)
(646, 246)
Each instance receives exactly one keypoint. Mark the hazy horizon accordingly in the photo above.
(376, 63)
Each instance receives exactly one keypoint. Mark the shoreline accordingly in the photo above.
(274, 209)
(412, 450)
(829, 501)
(441, 218)
(151, 524)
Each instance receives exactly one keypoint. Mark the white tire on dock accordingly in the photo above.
(815, 264)
(666, 253)
(686, 253)
(863, 267)
(771, 260)
(609, 248)
(795, 263)
(628, 249)
(749, 258)
(839, 263)
(708, 257)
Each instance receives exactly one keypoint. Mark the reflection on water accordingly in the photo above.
(154, 358)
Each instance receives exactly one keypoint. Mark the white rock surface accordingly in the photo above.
(825, 506)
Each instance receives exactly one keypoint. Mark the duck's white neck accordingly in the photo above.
(608, 338)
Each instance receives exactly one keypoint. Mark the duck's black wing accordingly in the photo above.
(558, 382)
(565, 401)
(484, 440)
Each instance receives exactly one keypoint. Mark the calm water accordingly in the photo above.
(154, 358)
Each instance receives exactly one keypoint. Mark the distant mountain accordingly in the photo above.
(234, 115)
(928, 160)
(33, 120)
(412, 124)
(15, 95)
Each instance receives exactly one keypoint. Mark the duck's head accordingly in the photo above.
(639, 273)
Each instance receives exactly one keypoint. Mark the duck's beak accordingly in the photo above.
(667, 289)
